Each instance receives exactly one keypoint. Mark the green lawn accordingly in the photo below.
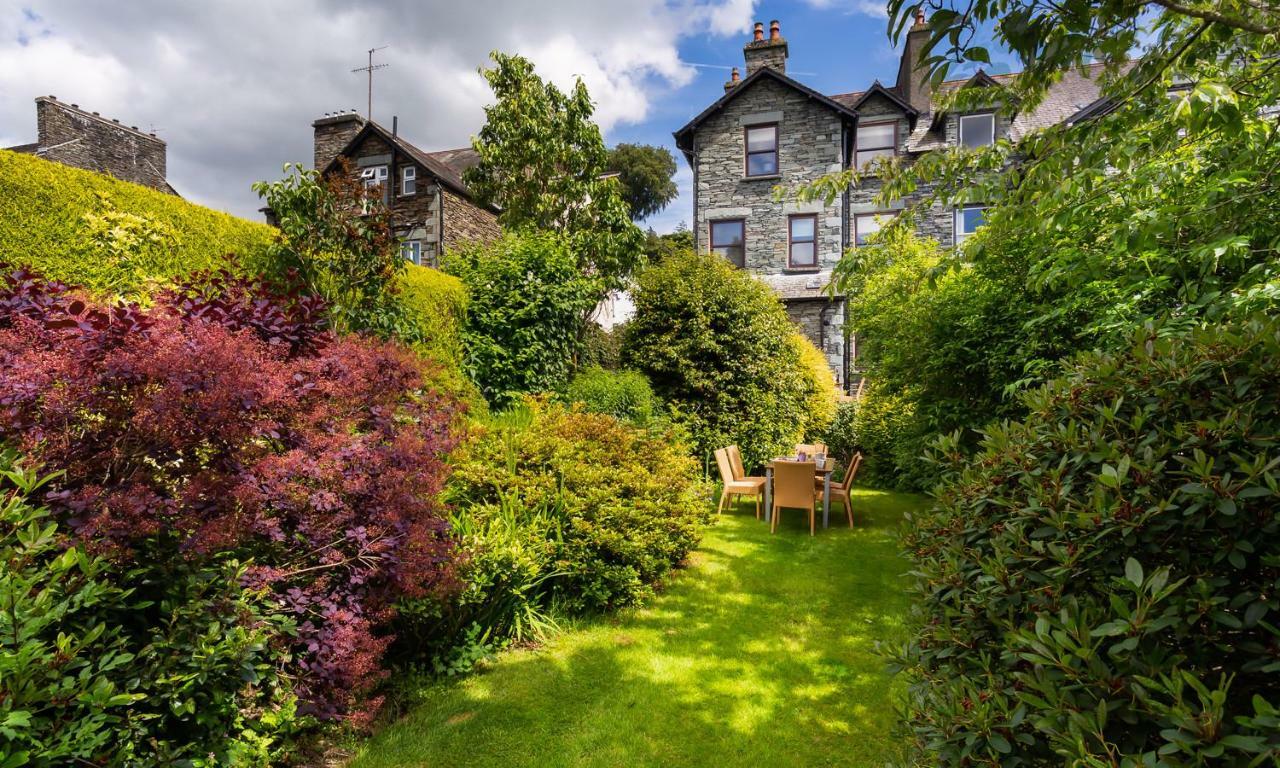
(761, 653)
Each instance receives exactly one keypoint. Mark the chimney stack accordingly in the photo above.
(734, 79)
(770, 53)
(332, 133)
(913, 77)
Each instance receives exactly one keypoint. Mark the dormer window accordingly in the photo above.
(408, 180)
(762, 150)
(977, 130)
(874, 141)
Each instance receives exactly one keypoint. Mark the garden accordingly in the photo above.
(278, 497)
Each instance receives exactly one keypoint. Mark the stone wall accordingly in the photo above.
(822, 322)
(465, 222)
(72, 136)
(332, 134)
(809, 146)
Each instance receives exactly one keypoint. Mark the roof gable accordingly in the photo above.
(684, 135)
(877, 89)
(433, 163)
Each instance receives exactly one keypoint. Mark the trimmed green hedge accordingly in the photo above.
(45, 227)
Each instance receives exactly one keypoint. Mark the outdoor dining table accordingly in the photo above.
(824, 470)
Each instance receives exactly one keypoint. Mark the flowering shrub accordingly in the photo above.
(216, 423)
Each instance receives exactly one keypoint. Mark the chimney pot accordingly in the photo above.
(775, 30)
(736, 77)
(759, 33)
(919, 15)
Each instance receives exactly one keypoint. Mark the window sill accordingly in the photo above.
(800, 270)
(767, 177)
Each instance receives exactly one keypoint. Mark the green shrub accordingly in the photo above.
(435, 311)
(820, 391)
(624, 395)
(719, 349)
(529, 300)
(159, 664)
(1098, 585)
(111, 236)
(601, 347)
(840, 435)
(604, 509)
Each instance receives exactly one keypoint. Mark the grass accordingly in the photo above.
(761, 653)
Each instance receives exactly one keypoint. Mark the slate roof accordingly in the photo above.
(1068, 98)
(25, 149)
(798, 287)
(446, 165)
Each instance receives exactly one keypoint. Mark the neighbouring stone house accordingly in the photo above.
(67, 134)
(431, 208)
(770, 130)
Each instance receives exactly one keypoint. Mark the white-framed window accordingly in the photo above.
(408, 180)
(411, 250)
(374, 176)
(867, 224)
(968, 219)
(874, 141)
(977, 130)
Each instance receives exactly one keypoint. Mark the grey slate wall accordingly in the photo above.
(809, 146)
(75, 137)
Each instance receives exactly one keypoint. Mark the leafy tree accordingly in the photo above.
(718, 348)
(658, 247)
(645, 172)
(528, 301)
(335, 242)
(543, 161)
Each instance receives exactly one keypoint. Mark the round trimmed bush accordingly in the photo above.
(1098, 584)
(719, 349)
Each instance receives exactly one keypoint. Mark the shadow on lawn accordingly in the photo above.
(763, 652)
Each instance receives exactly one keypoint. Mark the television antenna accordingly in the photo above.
(369, 69)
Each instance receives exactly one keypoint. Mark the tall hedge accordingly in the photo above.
(1100, 584)
(718, 347)
(44, 227)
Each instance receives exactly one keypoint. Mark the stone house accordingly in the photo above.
(771, 131)
(431, 208)
(67, 134)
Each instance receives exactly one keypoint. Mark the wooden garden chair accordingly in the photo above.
(752, 486)
(842, 491)
(793, 488)
(810, 449)
(740, 474)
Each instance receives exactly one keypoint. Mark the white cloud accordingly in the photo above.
(233, 86)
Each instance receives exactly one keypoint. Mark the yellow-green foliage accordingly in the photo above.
(111, 236)
(820, 386)
(436, 304)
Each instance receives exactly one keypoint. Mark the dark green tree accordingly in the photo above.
(646, 173)
(543, 161)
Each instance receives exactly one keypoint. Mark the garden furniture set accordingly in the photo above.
(792, 482)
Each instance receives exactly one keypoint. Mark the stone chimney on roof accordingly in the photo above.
(734, 79)
(333, 131)
(771, 52)
(913, 77)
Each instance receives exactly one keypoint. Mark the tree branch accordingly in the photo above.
(1216, 17)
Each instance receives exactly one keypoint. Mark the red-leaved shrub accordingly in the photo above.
(227, 420)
